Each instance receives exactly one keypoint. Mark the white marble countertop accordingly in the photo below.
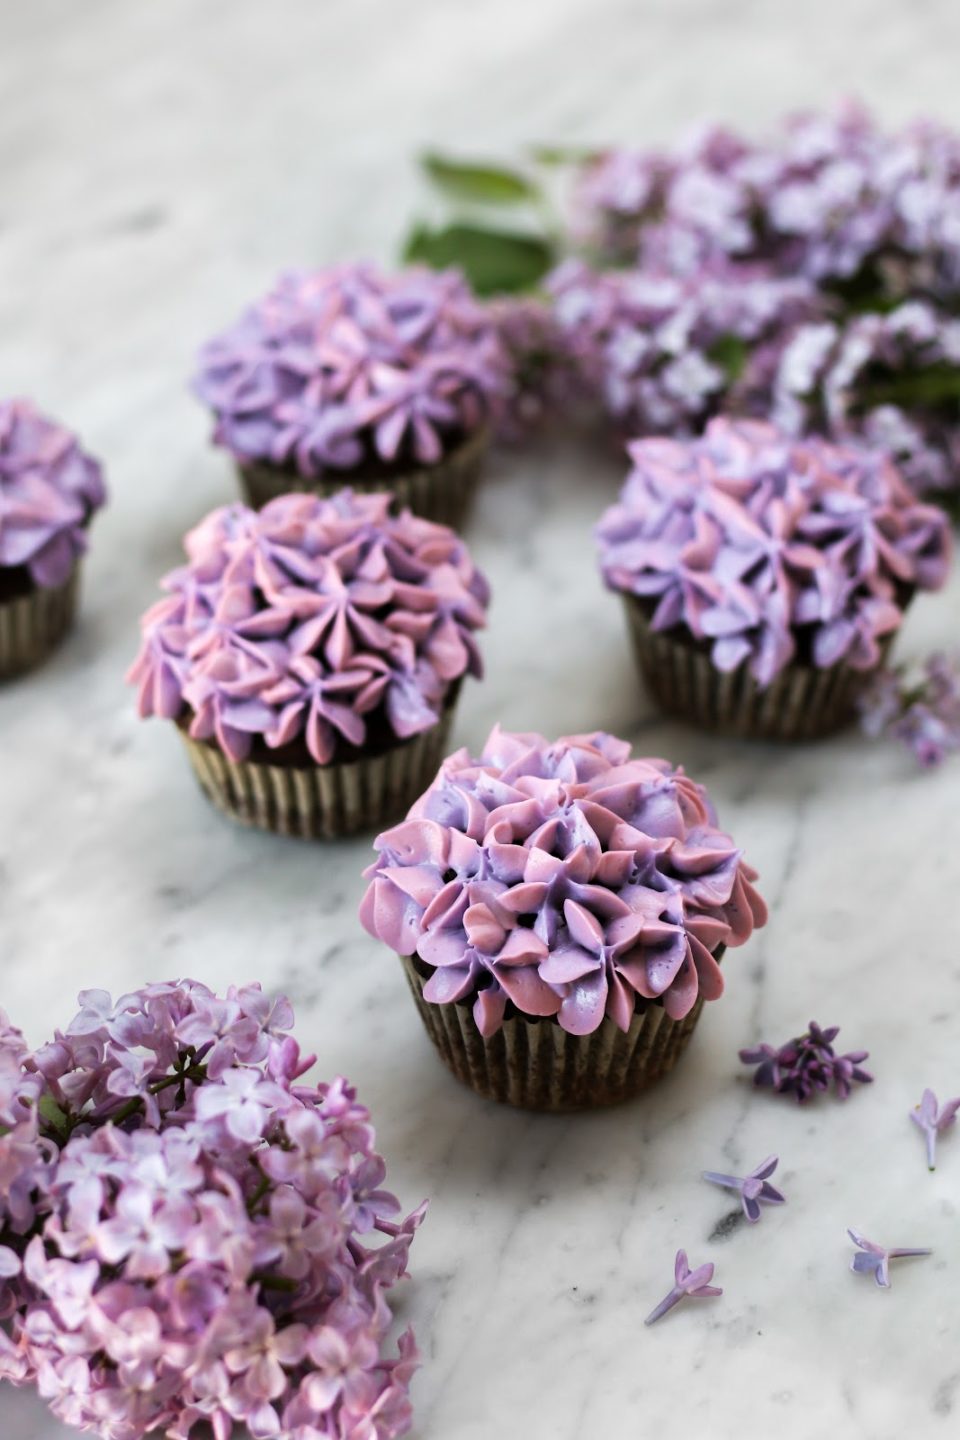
(158, 164)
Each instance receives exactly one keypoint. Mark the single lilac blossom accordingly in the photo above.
(807, 1064)
(752, 1188)
(934, 1120)
(873, 1259)
(686, 1282)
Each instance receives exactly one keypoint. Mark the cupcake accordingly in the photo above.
(765, 577)
(311, 655)
(49, 489)
(560, 910)
(349, 376)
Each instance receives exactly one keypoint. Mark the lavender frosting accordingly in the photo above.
(752, 541)
(564, 878)
(311, 620)
(340, 368)
(49, 488)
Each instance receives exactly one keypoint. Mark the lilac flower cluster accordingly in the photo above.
(310, 621)
(662, 352)
(49, 488)
(761, 546)
(834, 199)
(921, 709)
(545, 377)
(347, 367)
(808, 1064)
(185, 1230)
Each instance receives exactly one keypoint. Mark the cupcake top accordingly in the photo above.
(49, 488)
(318, 624)
(768, 549)
(564, 878)
(348, 368)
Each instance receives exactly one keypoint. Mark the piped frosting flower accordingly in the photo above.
(348, 367)
(49, 488)
(766, 549)
(565, 879)
(311, 620)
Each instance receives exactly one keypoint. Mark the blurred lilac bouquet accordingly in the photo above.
(918, 706)
(184, 1228)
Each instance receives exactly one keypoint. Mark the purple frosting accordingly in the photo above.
(564, 878)
(746, 537)
(340, 368)
(312, 618)
(49, 488)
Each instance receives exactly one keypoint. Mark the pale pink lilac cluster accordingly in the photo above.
(49, 489)
(835, 199)
(918, 705)
(348, 367)
(312, 620)
(768, 549)
(663, 352)
(563, 879)
(192, 1239)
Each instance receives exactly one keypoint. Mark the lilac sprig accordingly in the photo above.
(808, 1064)
(187, 1239)
(919, 708)
(934, 1120)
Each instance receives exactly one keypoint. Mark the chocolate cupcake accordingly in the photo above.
(765, 577)
(350, 376)
(311, 655)
(561, 910)
(49, 489)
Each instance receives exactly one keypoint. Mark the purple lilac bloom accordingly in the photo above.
(347, 367)
(873, 1259)
(49, 489)
(768, 549)
(934, 1120)
(686, 1282)
(545, 379)
(751, 1188)
(564, 878)
(189, 1240)
(807, 1065)
(662, 353)
(310, 621)
(921, 708)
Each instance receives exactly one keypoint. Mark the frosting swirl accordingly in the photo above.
(345, 367)
(49, 488)
(312, 621)
(768, 548)
(564, 878)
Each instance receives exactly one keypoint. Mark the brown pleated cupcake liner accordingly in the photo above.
(441, 492)
(535, 1064)
(32, 626)
(802, 703)
(322, 802)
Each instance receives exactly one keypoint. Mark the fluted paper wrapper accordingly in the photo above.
(802, 703)
(322, 802)
(440, 492)
(32, 626)
(536, 1065)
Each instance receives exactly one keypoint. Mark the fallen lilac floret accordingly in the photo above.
(808, 1064)
(686, 1282)
(934, 1120)
(751, 1188)
(873, 1259)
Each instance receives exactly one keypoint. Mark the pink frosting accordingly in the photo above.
(49, 488)
(313, 618)
(564, 878)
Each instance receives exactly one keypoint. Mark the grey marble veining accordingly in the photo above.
(158, 164)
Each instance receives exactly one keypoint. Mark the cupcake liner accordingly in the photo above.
(802, 703)
(33, 625)
(535, 1064)
(321, 802)
(440, 492)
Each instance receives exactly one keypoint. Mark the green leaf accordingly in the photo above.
(936, 386)
(52, 1116)
(479, 183)
(730, 353)
(565, 154)
(495, 262)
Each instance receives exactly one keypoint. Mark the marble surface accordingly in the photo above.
(158, 164)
